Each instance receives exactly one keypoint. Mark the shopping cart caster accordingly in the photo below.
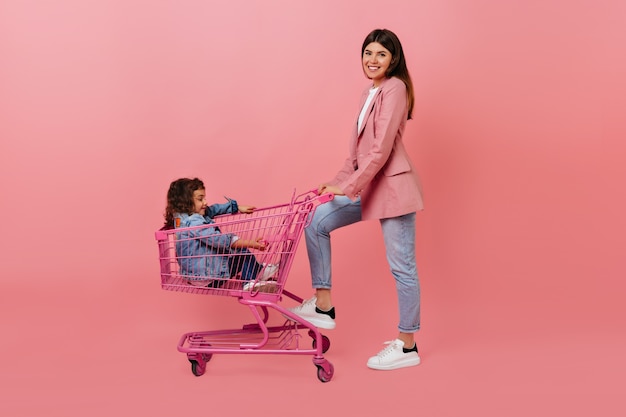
(325, 341)
(325, 369)
(198, 362)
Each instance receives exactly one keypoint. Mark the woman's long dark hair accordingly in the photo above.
(397, 68)
(180, 198)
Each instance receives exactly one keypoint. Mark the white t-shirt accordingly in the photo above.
(373, 91)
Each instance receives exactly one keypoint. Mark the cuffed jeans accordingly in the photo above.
(399, 237)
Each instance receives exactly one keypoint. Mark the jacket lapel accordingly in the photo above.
(368, 110)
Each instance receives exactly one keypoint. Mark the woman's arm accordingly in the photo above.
(390, 111)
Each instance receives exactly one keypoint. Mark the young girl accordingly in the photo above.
(207, 256)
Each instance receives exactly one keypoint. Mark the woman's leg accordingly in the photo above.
(399, 235)
(339, 212)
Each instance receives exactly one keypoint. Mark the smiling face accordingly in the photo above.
(376, 61)
(199, 202)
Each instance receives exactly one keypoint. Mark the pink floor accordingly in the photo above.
(83, 352)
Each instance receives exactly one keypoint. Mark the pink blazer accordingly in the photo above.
(378, 168)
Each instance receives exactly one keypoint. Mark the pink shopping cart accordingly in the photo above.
(183, 270)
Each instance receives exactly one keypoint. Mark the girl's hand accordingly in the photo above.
(327, 188)
(246, 209)
(258, 243)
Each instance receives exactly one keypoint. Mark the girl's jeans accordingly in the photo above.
(399, 236)
(245, 263)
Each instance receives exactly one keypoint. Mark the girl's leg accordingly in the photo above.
(244, 262)
(399, 235)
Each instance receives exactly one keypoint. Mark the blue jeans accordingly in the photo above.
(245, 263)
(399, 237)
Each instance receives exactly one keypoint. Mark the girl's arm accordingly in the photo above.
(209, 235)
(257, 243)
(229, 207)
(246, 209)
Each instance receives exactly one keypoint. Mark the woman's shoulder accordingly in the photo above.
(392, 83)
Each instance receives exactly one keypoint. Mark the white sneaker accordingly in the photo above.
(269, 270)
(309, 312)
(393, 357)
(262, 286)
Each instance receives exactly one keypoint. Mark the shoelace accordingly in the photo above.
(306, 304)
(391, 346)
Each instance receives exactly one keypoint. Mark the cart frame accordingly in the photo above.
(281, 227)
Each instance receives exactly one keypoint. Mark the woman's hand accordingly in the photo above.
(246, 209)
(327, 188)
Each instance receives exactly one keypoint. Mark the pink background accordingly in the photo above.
(518, 136)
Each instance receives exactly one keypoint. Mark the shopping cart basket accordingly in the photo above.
(281, 228)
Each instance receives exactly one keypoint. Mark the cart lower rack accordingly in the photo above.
(192, 261)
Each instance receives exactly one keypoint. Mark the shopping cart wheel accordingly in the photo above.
(197, 367)
(325, 341)
(325, 370)
(198, 362)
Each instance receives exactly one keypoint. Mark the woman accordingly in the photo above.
(377, 181)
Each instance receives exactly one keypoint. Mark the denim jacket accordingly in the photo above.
(197, 250)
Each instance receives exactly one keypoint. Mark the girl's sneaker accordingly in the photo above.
(262, 283)
(261, 286)
(269, 270)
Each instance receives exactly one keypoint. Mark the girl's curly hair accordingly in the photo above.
(180, 198)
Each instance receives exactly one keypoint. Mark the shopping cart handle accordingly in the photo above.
(325, 198)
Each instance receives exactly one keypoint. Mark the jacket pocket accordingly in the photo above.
(396, 166)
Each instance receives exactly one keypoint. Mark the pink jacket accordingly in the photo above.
(378, 168)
